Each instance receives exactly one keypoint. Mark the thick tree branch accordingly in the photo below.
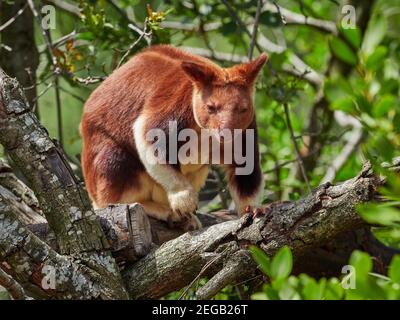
(220, 251)
(129, 231)
(64, 203)
(310, 222)
(40, 270)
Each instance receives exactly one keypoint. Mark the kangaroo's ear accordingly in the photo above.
(200, 74)
(251, 69)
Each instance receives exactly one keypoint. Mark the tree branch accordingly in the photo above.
(29, 260)
(64, 203)
(310, 222)
(65, 6)
(293, 18)
(296, 147)
(255, 29)
(350, 147)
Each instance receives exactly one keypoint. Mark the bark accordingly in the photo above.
(126, 227)
(220, 251)
(29, 260)
(129, 231)
(310, 222)
(30, 213)
(61, 197)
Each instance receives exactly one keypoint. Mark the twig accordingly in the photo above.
(263, 43)
(240, 22)
(142, 35)
(255, 29)
(11, 20)
(65, 38)
(353, 142)
(66, 6)
(296, 147)
(48, 86)
(121, 12)
(44, 32)
(204, 269)
(90, 80)
(59, 111)
(292, 18)
(217, 55)
(72, 94)
(56, 70)
(341, 159)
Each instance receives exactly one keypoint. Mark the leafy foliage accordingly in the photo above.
(360, 283)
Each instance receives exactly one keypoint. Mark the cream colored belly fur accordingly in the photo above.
(154, 198)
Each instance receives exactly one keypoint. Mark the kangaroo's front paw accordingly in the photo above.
(183, 202)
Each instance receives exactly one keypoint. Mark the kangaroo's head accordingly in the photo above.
(223, 97)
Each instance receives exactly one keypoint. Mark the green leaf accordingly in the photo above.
(343, 52)
(363, 104)
(86, 36)
(270, 19)
(375, 33)
(288, 292)
(228, 28)
(345, 104)
(353, 36)
(376, 59)
(367, 286)
(362, 262)
(282, 263)
(380, 214)
(261, 258)
(333, 290)
(388, 236)
(259, 296)
(394, 269)
(271, 293)
(311, 289)
(337, 88)
(382, 107)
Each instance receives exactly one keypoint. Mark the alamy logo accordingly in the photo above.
(49, 277)
(349, 280)
(349, 19)
(48, 17)
(211, 146)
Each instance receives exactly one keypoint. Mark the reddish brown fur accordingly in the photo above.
(158, 82)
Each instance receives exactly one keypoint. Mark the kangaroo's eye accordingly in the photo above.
(243, 110)
(211, 108)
